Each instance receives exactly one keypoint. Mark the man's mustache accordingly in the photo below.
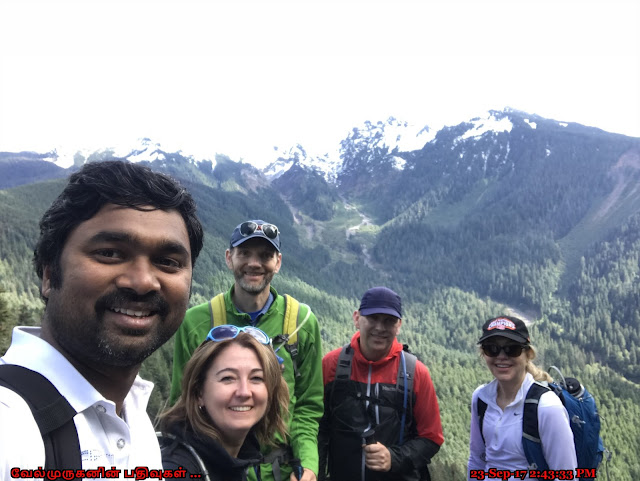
(152, 301)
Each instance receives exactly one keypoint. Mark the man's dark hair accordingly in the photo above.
(113, 182)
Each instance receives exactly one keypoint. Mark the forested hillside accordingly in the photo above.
(543, 221)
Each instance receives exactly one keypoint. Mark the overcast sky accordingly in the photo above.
(240, 77)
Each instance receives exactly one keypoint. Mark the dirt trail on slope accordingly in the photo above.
(352, 231)
(628, 160)
(365, 221)
(311, 228)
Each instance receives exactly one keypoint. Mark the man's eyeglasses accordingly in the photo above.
(228, 331)
(249, 227)
(511, 350)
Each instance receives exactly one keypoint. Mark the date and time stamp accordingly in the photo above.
(546, 474)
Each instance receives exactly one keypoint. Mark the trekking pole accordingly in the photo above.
(368, 437)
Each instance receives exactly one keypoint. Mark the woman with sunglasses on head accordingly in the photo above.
(233, 399)
(496, 441)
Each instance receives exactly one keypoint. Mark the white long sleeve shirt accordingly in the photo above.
(503, 432)
(106, 439)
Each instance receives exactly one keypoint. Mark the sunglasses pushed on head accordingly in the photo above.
(229, 331)
(256, 228)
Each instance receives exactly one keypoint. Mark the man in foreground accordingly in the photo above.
(115, 258)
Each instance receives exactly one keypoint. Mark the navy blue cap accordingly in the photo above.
(381, 300)
(256, 228)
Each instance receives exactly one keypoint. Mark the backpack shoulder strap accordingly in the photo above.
(404, 382)
(52, 413)
(410, 361)
(481, 407)
(290, 328)
(165, 440)
(217, 310)
(530, 432)
(292, 306)
(343, 368)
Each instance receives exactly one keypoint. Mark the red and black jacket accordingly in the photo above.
(370, 399)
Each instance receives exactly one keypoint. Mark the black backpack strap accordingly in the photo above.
(343, 369)
(279, 456)
(51, 411)
(481, 406)
(404, 383)
(166, 442)
(410, 362)
(530, 412)
(531, 443)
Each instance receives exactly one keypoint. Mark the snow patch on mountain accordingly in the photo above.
(405, 136)
(327, 164)
(389, 135)
(398, 162)
(146, 151)
(493, 122)
(63, 162)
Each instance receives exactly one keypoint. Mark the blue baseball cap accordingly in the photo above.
(381, 300)
(256, 228)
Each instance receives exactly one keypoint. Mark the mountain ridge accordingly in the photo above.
(391, 134)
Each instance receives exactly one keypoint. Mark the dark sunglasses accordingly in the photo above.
(228, 331)
(269, 230)
(511, 350)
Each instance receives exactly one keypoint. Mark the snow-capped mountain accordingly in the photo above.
(366, 143)
(327, 164)
(363, 143)
(392, 134)
(380, 149)
(141, 150)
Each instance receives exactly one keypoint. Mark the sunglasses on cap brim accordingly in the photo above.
(249, 228)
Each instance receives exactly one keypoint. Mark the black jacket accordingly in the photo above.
(219, 464)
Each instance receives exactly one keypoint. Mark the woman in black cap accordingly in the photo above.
(496, 435)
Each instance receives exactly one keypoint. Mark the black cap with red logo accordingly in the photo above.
(506, 326)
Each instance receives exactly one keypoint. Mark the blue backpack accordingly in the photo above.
(583, 418)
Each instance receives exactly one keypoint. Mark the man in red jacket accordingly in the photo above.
(381, 419)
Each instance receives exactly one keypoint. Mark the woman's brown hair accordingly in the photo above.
(187, 408)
